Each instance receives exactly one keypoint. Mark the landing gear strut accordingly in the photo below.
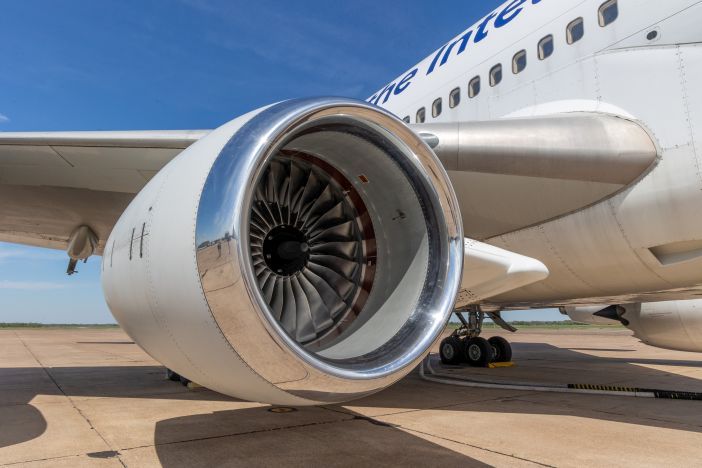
(466, 345)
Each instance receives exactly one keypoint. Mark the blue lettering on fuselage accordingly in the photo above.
(499, 19)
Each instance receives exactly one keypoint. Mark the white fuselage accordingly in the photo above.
(600, 242)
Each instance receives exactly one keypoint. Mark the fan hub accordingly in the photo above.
(285, 250)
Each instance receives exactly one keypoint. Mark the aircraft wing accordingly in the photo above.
(508, 173)
(52, 182)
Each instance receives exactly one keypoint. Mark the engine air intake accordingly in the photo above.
(306, 253)
(310, 250)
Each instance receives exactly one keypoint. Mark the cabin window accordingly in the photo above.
(421, 115)
(474, 87)
(436, 108)
(519, 62)
(575, 31)
(609, 11)
(455, 98)
(406, 119)
(496, 75)
(546, 47)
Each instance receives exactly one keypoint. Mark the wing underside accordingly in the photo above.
(508, 174)
(50, 183)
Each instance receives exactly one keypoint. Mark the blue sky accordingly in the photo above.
(185, 64)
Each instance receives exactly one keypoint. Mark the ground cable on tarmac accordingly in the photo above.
(426, 372)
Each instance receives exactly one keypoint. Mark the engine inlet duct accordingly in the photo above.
(306, 253)
(310, 249)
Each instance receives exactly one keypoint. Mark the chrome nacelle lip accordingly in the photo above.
(223, 214)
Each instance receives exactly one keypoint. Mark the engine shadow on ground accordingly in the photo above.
(368, 438)
(21, 421)
(343, 439)
(244, 436)
(240, 434)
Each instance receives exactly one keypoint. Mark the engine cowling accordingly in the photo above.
(306, 253)
(592, 314)
(675, 325)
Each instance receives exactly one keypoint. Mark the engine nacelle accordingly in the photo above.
(306, 253)
(592, 314)
(675, 325)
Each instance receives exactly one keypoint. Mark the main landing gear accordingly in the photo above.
(466, 345)
(175, 377)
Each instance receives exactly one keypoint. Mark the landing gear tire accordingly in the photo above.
(172, 376)
(501, 348)
(451, 351)
(478, 352)
(184, 381)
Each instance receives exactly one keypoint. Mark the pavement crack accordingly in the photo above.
(73, 404)
(429, 408)
(23, 462)
(375, 422)
(359, 417)
(476, 447)
(237, 434)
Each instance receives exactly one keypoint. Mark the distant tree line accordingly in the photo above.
(58, 325)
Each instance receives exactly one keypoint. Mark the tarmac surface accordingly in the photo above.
(88, 397)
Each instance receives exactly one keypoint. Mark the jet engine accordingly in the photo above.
(306, 253)
(675, 325)
(592, 314)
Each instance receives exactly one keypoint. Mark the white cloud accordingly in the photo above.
(30, 285)
(4, 118)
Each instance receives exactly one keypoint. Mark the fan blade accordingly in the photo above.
(347, 250)
(318, 206)
(289, 314)
(259, 269)
(340, 232)
(267, 288)
(342, 266)
(278, 299)
(257, 227)
(334, 303)
(263, 215)
(304, 196)
(304, 330)
(341, 285)
(297, 179)
(272, 193)
(321, 316)
(266, 210)
(331, 217)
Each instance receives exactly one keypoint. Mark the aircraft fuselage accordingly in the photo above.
(601, 241)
